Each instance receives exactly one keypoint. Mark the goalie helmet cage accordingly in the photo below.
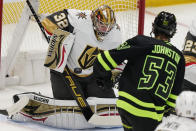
(21, 38)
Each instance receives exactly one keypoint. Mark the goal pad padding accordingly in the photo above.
(63, 113)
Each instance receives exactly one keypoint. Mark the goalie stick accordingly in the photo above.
(16, 107)
(37, 20)
(77, 92)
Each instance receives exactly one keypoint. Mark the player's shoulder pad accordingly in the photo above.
(61, 19)
(80, 19)
(133, 40)
(190, 36)
(189, 45)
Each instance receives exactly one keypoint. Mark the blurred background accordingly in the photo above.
(184, 11)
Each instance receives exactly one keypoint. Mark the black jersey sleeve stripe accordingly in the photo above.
(106, 61)
(110, 59)
(104, 56)
(103, 63)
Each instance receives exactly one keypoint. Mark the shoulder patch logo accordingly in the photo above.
(124, 45)
(81, 15)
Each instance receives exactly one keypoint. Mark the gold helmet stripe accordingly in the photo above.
(109, 13)
(103, 16)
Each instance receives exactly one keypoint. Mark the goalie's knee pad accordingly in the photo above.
(58, 119)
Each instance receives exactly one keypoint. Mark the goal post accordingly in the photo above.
(1, 10)
(1, 73)
(22, 46)
(141, 17)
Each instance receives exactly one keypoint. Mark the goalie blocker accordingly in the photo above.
(59, 48)
(66, 113)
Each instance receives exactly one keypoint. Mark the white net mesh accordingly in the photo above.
(126, 11)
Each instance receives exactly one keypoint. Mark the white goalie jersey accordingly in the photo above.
(176, 123)
(84, 50)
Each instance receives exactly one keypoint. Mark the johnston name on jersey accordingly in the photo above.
(86, 46)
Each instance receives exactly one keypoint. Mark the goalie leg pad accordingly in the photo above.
(62, 113)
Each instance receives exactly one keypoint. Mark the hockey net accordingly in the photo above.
(23, 47)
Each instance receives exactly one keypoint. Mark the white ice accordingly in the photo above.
(184, 13)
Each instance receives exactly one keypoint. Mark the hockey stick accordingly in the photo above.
(37, 20)
(91, 117)
(76, 91)
(16, 107)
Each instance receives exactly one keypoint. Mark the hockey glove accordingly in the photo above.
(104, 83)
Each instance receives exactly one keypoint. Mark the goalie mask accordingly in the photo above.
(103, 19)
(186, 104)
(164, 23)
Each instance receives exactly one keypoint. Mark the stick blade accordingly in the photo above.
(114, 121)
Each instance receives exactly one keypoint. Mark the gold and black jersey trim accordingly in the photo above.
(49, 26)
(58, 20)
(190, 59)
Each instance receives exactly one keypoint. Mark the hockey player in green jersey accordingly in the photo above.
(151, 79)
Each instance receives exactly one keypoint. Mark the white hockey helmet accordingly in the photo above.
(186, 104)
